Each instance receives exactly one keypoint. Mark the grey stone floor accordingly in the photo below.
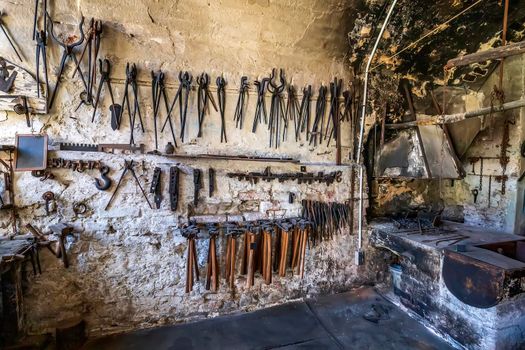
(328, 322)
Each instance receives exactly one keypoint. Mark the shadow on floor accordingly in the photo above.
(360, 319)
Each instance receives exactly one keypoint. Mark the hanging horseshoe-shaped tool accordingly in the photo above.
(105, 184)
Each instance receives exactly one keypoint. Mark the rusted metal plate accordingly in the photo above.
(480, 277)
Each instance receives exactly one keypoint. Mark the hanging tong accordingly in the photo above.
(203, 95)
(305, 112)
(293, 111)
(67, 53)
(333, 118)
(131, 80)
(320, 110)
(221, 97)
(115, 109)
(240, 109)
(276, 108)
(260, 109)
(158, 94)
(41, 43)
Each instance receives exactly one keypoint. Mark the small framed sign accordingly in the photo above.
(31, 152)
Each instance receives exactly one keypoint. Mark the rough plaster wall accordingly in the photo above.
(502, 211)
(128, 264)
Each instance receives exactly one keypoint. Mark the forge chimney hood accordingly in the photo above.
(422, 152)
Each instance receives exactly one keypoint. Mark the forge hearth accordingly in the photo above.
(464, 281)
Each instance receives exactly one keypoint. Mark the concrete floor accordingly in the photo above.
(329, 322)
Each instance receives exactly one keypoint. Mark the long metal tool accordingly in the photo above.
(221, 98)
(67, 53)
(359, 252)
(4, 29)
(128, 166)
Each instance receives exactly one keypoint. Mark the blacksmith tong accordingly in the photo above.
(128, 165)
(116, 110)
(68, 52)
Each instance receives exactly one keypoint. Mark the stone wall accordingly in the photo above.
(493, 208)
(128, 264)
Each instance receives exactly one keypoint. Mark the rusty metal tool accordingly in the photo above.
(155, 187)
(128, 166)
(62, 230)
(203, 96)
(221, 97)
(174, 188)
(277, 114)
(192, 267)
(320, 109)
(197, 185)
(105, 183)
(41, 43)
(305, 112)
(48, 197)
(4, 29)
(115, 109)
(159, 94)
(35, 17)
(211, 181)
(212, 275)
(67, 53)
(240, 109)
(292, 112)
(260, 108)
(131, 82)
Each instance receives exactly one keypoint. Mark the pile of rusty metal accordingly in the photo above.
(267, 247)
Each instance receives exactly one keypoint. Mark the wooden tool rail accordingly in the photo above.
(268, 247)
(300, 177)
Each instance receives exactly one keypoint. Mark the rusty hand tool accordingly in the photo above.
(185, 81)
(203, 96)
(159, 94)
(320, 110)
(211, 181)
(192, 268)
(240, 109)
(48, 197)
(131, 81)
(128, 166)
(305, 112)
(212, 276)
(333, 118)
(155, 187)
(67, 53)
(4, 29)
(35, 17)
(197, 185)
(267, 256)
(230, 259)
(276, 108)
(62, 230)
(41, 41)
(260, 108)
(285, 238)
(105, 71)
(293, 110)
(251, 246)
(174, 188)
(221, 97)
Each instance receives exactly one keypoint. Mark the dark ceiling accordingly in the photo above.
(466, 34)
